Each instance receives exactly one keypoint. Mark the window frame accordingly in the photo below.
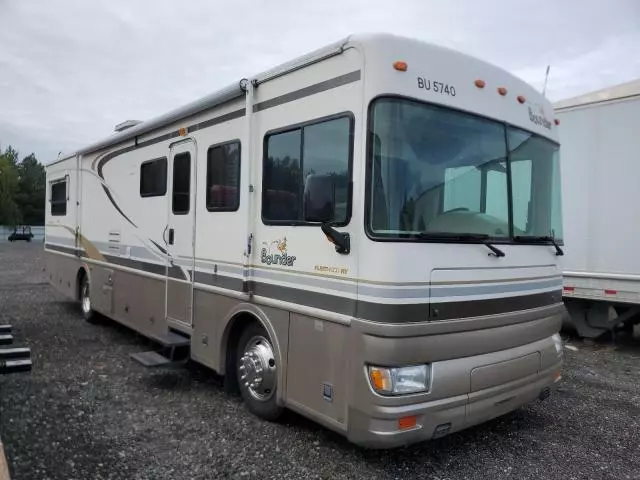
(64, 180)
(300, 126)
(368, 163)
(166, 177)
(206, 180)
(173, 180)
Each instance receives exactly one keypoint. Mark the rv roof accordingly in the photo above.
(236, 90)
(624, 90)
(217, 98)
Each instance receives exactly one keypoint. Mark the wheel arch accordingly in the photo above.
(234, 324)
(83, 271)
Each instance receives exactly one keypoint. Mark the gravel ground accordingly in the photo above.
(86, 411)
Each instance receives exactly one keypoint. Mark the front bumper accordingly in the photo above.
(376, 425)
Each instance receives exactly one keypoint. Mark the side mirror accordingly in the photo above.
(319, 198)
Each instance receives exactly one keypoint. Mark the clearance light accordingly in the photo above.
(521, 99)
(556, 121)
(182, 132)
(479, 83)
(569, 289)
(400, 380)
(400, 66)
(405, 423)
(502, 91)
(610, 292)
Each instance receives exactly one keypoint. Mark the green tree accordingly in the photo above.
(30, 197)
(22, 189)
(9, 212)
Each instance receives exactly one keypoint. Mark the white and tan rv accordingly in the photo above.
(367, 235)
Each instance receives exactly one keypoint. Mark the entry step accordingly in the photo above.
(5, 329)
(171, 339)
(153, 359)
(6, 339)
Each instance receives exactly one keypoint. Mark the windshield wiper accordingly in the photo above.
(540, 239)
(462, 237)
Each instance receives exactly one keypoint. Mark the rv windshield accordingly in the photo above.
(436, 171)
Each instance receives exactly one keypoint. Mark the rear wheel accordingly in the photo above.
(257, 373)
(85, 300)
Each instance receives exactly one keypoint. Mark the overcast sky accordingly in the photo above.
(72, 69)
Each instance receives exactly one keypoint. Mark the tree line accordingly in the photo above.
(22, 189)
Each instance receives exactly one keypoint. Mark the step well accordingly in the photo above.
(154, 359)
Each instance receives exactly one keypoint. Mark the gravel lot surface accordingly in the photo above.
(86, 411)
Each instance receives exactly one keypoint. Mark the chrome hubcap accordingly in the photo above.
(257, 368)
(86, 300)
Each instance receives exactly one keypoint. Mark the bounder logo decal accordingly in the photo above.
(537, 116)
(275, 253)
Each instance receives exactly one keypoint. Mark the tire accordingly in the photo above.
(85, 301)
(257, 373)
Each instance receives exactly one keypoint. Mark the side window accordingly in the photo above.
(223, 177)
(59, 198)
(181, 193)
(153, 178)
(299, 163)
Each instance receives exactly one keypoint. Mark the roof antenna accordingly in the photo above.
(546, 78)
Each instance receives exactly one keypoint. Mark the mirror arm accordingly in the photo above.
(342, 241)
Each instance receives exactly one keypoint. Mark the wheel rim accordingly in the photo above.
(86, 300)
(257, 368)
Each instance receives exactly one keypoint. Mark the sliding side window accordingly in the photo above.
(153, 178)
(59, 198)
(301, 160)
(223, 177)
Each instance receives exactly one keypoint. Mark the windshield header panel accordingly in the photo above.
(442, 76)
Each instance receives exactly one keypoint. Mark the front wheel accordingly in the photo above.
(257, 373)
(85, 301)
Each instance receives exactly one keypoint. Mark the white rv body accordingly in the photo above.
(600, 168)
(483, 324)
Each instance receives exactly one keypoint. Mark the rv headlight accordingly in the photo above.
(400, 380)
(557, 341)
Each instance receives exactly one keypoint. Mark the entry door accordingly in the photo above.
(179, 234)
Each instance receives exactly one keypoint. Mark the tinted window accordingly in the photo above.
(153, 178)
(323, 148)
(181, 183)
(435, 170)
(223, 177)
(59, 198)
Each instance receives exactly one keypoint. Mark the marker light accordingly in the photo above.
(556, 121)
(521, 99)
(400, 380)
(479, 83)
(405, 423)
(502, 91)
(400, 66)
(182, 132)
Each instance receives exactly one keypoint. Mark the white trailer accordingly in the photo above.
(363, 235)
(600, 171)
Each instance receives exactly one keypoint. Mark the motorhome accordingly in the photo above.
(367, 235)
(600, 164)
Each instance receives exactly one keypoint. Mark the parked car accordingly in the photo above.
(21, 233)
